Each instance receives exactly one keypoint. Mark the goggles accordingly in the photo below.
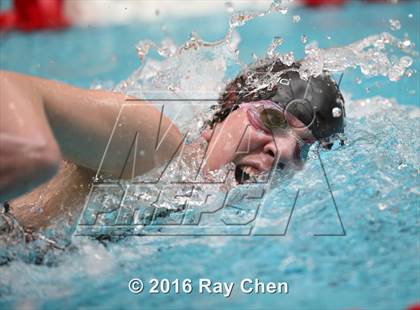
(269, 117)
(265, 115)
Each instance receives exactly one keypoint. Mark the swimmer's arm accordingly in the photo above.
(29, 154)
(82, 122)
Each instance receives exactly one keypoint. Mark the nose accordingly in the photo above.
(271, 150)
(284, 150)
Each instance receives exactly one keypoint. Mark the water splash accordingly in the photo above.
(198, 69)
(395, 24)
(372, 55)
(237, 19)
(382, 144)
(275, 43)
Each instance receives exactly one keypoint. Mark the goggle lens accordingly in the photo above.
(272, 118)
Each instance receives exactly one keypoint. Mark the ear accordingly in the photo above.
(207, 133)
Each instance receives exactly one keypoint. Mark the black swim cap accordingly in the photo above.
(316, 102)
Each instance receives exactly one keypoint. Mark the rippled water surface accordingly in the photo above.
(368, 260)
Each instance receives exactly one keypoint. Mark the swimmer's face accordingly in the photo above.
(251, 149)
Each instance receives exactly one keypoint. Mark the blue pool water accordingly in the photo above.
(374, 180)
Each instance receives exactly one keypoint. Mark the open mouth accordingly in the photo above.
(246, 174)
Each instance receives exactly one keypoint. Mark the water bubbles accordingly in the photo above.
(406, 43)
(395, 74)
(240, 18)
(406, 61)
(382, 206)
(283, 10)
(394, 59)
(375, 56)
(143, 48)
(229, 7)
(254, 57)
(303, 38)
(358, 81)
(410, 15)
(311, 48)
(195, 42)
(288, 58)
(313, 64)
(409, 73)
(167, 48)
(395, 24)
(276, 42)
(277, 6)
(296, 19)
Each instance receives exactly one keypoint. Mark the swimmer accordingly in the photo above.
(44, 122)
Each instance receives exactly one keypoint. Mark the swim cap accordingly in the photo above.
(316, 102)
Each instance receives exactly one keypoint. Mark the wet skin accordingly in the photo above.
(233, 140)
(237, 140)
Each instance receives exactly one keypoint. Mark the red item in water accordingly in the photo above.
(414, 307)
(323, 2)
(28, 15)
